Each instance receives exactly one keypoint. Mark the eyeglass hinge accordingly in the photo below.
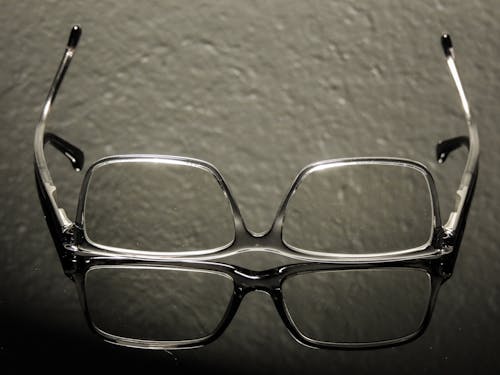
(67, 251)
(447, 243)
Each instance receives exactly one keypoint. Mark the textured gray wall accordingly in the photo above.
(259, 89)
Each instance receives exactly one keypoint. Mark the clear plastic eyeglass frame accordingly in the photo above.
(78, 255)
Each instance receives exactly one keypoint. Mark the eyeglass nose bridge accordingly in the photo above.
(272, 239)
(263, 281)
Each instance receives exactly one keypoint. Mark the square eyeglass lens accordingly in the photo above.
(161, 205)
(359, 208)
(357, 306)
(157, 303)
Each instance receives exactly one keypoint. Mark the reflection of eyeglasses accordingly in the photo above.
(149, 229)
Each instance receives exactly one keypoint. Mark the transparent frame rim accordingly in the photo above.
(271, 240)
(324, 165)
(153, 159)
(422, 323)
(147, 343)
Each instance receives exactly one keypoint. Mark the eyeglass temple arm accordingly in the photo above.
(75, 155)
(456, 222)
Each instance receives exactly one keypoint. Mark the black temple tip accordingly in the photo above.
(74, 36)
(447, 45)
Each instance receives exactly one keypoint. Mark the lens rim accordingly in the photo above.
(435, 214)
(81, 280)
(433, 269)
(162, 268)
(366, 343)
(87, 242)
(271, 240)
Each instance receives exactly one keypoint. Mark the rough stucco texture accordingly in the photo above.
(260, 89)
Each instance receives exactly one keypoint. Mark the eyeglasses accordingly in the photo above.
(150, 232)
